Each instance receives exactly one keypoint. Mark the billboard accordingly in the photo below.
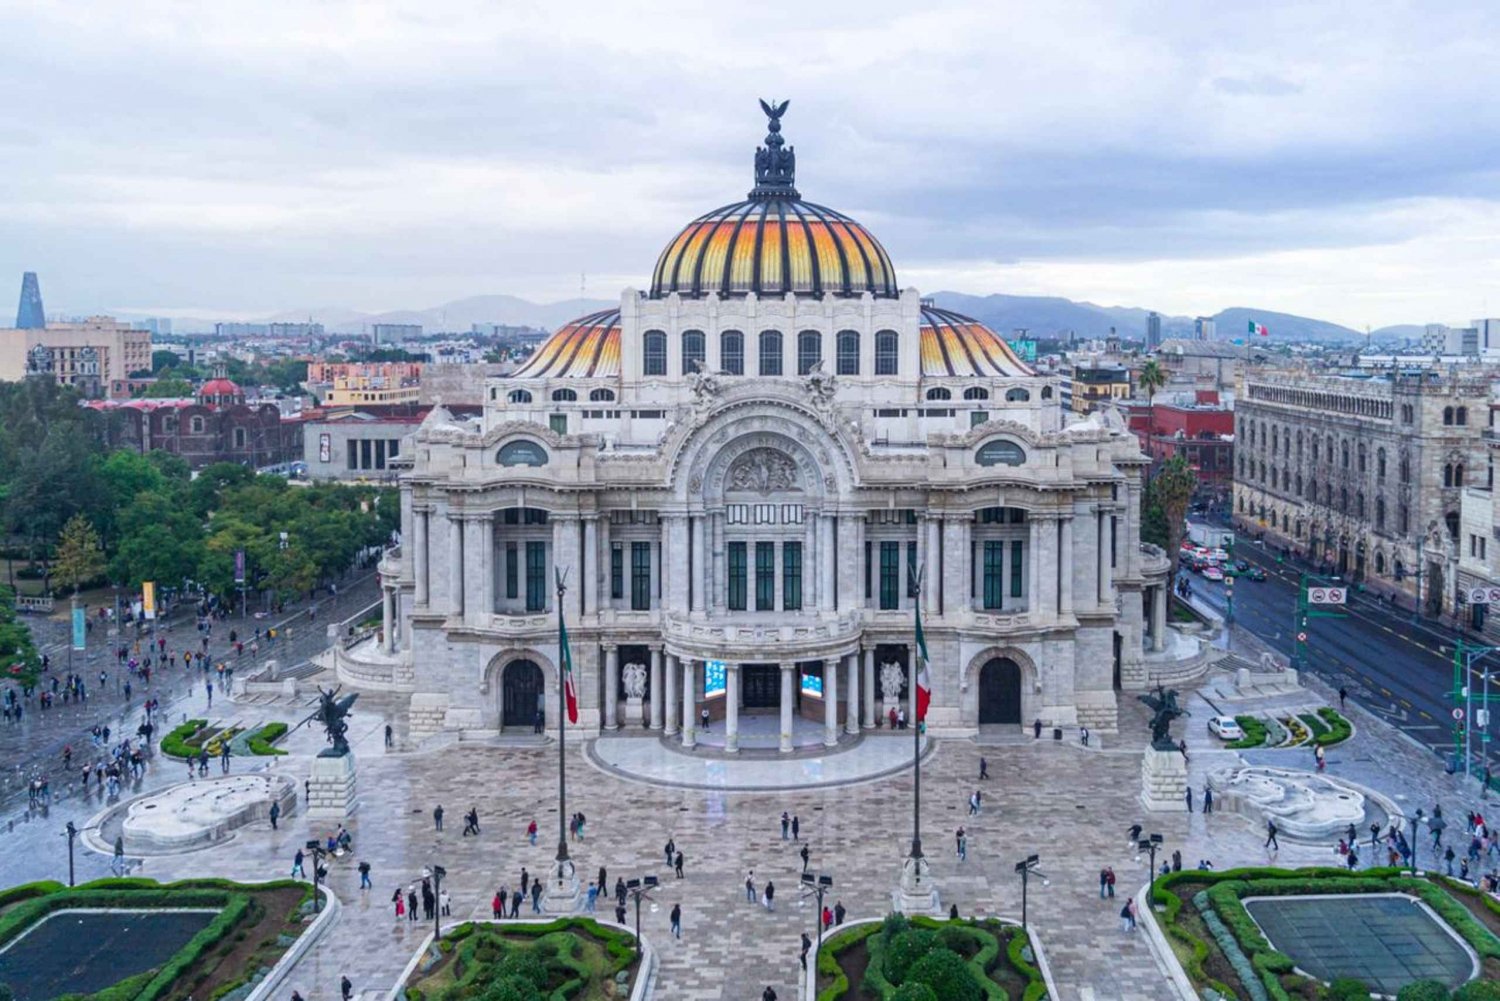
(80, 628)
(239, 566)
(325, 447)
(812, 684)
(148, 598)
(714, 675)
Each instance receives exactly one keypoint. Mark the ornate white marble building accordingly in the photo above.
(738, 472)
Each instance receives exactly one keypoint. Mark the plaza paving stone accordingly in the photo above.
(1069, 804)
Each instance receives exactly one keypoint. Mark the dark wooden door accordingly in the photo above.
(521, 693)
(762, 684)
(1000, 692)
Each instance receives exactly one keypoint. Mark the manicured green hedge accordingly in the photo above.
(478, 955)
(261, 740)
(982, 940)
(175, 744)
(1339, 728)
(1255, 732)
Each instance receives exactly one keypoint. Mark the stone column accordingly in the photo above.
(689, 705)
(419, 532)
(1065, 567)
(485, 600)
(387, 620)
(932, 576)
(656, 694)
(788, 693)
(851, 562)
(591, 576)
(852, 709)
(1159, 617)
(731, 708)
(669, 702)
(867, 719)
(611, 688)
(700, 562)
(717, 598)
(455, 565)
(812, 565)
(830, 703)
(1105, 597)
(827, 559)
(1033, 562)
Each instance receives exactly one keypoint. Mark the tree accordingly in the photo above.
(80, 558)
(1151, 379)
(1168, 494)
(161, 359)
(169, 389)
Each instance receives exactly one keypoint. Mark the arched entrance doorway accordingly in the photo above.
(520, 694)
(1000, 692)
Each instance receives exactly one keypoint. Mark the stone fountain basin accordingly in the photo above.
(1306, 806)
(201, 813)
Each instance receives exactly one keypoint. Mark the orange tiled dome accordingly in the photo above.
(955, 345)
(587, 348)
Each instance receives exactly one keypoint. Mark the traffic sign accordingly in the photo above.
(1458, 714)
(1326, 595)
(1484, 595)
(1301, 637)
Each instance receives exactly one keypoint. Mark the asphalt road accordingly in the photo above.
(1401, 670)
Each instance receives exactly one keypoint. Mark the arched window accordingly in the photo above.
(1017, 395)
(1403, 519)
(196, 425)
(1379, 514)
(1344, 499)
(732, 352)
(519, 396)
(1458, 475)
(886, 352)
(1359, 504)
(976, 393)
(1299, 484)
(1380, 464)
(563, 396)
(809, 351)
(1344, 454)
(1380, 563)
(694, 351)
(1046, 392)
(1361, 457)
(1299, 446)
(770, 352)
(1451, 518)
(239, 437)
(654, 354)
(601, 395)
(1448, 475)
(1461, 417)
(848, 352)
(939, 394)
(1447, 416)
(1405, 471)
(1315, 449)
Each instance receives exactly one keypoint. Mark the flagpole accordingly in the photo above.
(916, 733)
(562, 728)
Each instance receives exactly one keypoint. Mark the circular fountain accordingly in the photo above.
(1305, 806)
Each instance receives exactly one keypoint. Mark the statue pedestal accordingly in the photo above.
(331, 792)
(635, 711)
(1164, 781)
(561, 893)
(886, 705)
(916, 891)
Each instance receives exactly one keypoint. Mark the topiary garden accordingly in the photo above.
(570, 959)
(917, 958)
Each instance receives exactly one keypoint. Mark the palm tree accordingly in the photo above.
(1151, 379)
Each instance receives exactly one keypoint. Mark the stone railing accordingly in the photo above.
(25, 603)
(367, 667)
(778, 637)
(389, 566)
(1155, 562)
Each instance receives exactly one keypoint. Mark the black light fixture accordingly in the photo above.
(1027, 868)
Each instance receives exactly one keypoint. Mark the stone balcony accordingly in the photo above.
(389, 566)
(1154, 561)
(763, 637)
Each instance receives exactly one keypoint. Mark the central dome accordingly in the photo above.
(773, 242)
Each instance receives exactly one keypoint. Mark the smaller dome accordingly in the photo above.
(955, 345)
(587, 348)
(219, 387)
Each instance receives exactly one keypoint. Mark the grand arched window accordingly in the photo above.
(770, 352)
(848, 352)
(564, 396)
(654, 353)
(519, 396)
(809, 351)
(887, 352)
(694, 351)
(939, 394)
(732, 352)
(601, 396)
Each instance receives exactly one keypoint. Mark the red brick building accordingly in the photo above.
(1202, 433)
(217, 426)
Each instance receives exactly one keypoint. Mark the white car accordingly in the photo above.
(1225, 728)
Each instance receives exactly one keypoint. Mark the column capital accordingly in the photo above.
(610, 647)
(787, 665)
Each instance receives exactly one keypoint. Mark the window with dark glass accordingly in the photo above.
(732, 352)
(1016, 559)
(765, 576)
(640, 576)
(869, 564)
(890, 575)
(911, 569)
(654, 354)
(791, 576)
(848, 352)
(536, 576)
(736, 576)
(694, 351)
(512, 570)
(770, 352)
(617, 571)
(809, 351)
(994, 564)
(885, 352)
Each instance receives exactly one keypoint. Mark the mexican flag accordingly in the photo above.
(924, 680)
(1258, 330)
(569, 691)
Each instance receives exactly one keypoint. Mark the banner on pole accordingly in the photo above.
(80, 628)
(148, 599)
(239, 566)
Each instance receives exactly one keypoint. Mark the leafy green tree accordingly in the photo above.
(913, 991)
(1168, 494)
(169, 389)
(1478, 990)
(161, 359)
(947, 974)
(903, 951)
(1424, 990)
(80, 558)
(207, 490)
(158, 539)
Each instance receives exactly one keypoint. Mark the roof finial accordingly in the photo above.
(775, 167)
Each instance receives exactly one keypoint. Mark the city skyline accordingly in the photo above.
(379, 158)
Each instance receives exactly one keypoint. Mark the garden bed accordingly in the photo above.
(956, 960)
(253, 927)
(1221, 947)
(572, 958)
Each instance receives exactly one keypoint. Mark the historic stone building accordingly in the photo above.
(1364, 474)
(741, 473)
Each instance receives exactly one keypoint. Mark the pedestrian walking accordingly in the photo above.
(768, 994)
(411, 903)
(1036, 729)
(677, 865)
(961, 839)
(984, 768)
(471, 822)
(497, 904)
(364, 875)
(399, 899)
(275, 814)
(297, 865)
(796, 827)
(806, 854)
(346, 989)
(974, 803)
(445, 903)
(390, 737)
(838, 912)
(1208, 799)
(1343, 694)
(437, 817)
(786, 824)
(750, 887)
(806, 948)
(531, 831)
(591, 902)
(1271, 841)
(677, 921)
(1188, 793)
(768, 896)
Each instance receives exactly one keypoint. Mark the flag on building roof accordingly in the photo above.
(1258, 330)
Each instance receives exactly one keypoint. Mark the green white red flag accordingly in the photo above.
(566, 655)
(1258, 330)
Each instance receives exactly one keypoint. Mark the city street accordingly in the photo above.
(1400, 670)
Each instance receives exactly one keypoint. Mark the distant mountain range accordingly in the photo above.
(1042, 316)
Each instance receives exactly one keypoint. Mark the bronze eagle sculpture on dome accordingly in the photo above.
(775, 166)
(774, 112)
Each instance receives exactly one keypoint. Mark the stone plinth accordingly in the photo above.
(635, 712)
(1164, 781)
(916, 891)
(562, 891)
(331, 793)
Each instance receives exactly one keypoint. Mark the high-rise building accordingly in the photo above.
(30, 315)
(394, 333)
(1203, 328)
(1153, 331)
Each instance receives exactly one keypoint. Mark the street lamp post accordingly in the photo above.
(315, 849)
(71, 832)
(1411, 842)
(438, 872)
(817, 886)
(1151, 846)
(640, 889)
(1027, 867)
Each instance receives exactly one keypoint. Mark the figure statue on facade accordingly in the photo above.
(634, 678)
(333, 713)
(703, 383)
(892, 677)
(1164, 702)
(763, 471)
(820, 384)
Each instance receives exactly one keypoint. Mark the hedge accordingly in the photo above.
(1255, 732)
(261, 740)
(1339, 728)
(175, 744)
(984, 935)
(618, 945)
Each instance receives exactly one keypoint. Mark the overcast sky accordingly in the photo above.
(1337, 160)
